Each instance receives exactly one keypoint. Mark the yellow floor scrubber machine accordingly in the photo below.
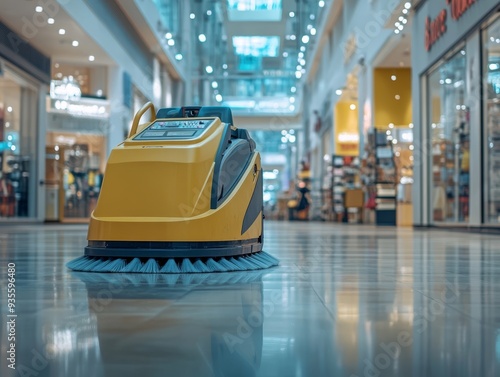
(182, 194)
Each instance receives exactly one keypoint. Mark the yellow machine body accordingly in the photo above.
(179, 196)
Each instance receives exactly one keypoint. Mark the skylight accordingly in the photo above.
(254, 10)
(246, 5)
(256, 46)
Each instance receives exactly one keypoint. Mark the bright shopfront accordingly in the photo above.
(24, 77)
(457, 68)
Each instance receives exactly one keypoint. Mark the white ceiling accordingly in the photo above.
(396, 53)
(20, 16)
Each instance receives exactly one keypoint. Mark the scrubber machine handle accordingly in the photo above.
(138, 116)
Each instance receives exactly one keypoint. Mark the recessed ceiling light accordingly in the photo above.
(305, 39)
(321, 4)
(75, 43)
(291, 14)
(62, 31)
(302, 48)
(293, 89)
(202, 38)
(224, 66)
(215, 85)
(192, 16)
(285, 54)
(50, 21)
(91, 58)
(178, 56)
(168, 35)
(352, 106)
(209, 12)
(218, 98)
(171, 42)
(9, 109)
(293, 37)
(397, 97)
(209, 69)
(313, 31)
(393, 78)
(38, 9)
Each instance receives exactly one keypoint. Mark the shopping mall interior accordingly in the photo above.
(354, 186)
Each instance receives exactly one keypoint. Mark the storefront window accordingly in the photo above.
(449, 133)
(492, 117)
(77, 128)
(16, 154)
(73, 174)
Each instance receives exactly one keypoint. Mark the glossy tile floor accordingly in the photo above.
(346, 300)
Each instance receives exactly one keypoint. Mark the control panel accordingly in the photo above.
(175, 129)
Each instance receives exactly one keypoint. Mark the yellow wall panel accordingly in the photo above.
(392, 101)
(346, 129)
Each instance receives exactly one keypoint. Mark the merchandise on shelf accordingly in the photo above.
(345, 177)
(385, 180)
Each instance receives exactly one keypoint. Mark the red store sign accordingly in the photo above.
(435, 28)
(459, 7)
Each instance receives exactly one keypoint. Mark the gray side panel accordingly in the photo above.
(255, 206)
(233, 165)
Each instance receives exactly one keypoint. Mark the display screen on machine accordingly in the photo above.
(162, 129)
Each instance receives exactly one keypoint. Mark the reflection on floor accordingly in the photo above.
(347, 300)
